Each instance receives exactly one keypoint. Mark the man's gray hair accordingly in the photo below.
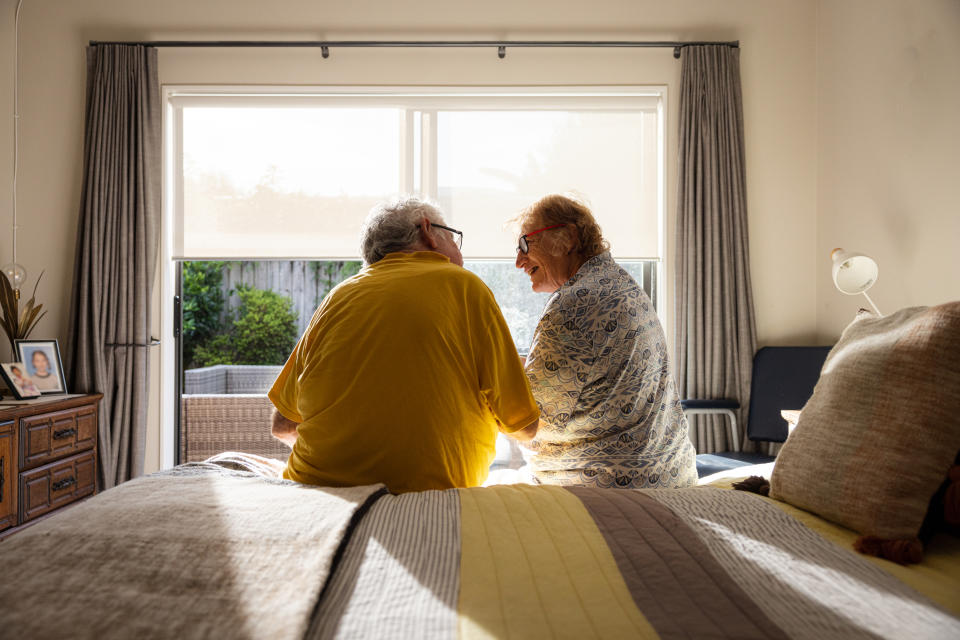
(393, 226)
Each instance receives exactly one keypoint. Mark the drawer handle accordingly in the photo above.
(2, 479)
(63, 484)
(64, 433)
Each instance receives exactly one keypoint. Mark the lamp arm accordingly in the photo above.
(871, 303)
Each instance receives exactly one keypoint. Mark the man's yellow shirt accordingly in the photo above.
(404, 376)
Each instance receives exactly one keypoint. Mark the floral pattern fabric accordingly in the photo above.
(610, 415)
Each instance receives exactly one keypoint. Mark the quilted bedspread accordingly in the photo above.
(550, 562)
(206, 552)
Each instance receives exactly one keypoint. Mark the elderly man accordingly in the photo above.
(407, 370)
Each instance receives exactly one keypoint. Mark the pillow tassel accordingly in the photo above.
(753, 484)
(951, 500)
(903, 551)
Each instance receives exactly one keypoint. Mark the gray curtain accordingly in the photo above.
(715, 323)
(117, 236)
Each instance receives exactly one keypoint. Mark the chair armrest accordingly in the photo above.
(723, 406)
(697, 403)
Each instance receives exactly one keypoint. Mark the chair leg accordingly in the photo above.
(734, 431)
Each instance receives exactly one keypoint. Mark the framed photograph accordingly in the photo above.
(44, 367)
(15, 375)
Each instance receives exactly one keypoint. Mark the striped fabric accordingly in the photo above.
(225, 548)
(535, 565)
(673, 577)
(811, 587)
(526, 561)
(399, 574)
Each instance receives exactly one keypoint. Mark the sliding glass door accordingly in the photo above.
(270, 187)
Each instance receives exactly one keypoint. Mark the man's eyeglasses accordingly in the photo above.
(457, 234)
(523, 247)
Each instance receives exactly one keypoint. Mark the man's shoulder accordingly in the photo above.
(420, 274)
(454, 273)
(342, 288)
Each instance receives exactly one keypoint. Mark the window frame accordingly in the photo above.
(415, 168)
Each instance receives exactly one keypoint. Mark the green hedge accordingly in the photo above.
(202, 306)
(263, 331)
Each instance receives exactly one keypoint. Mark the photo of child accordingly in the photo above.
(14, 374)
(41, 373)
(42, 364)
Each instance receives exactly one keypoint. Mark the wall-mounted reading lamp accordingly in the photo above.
(854, 273)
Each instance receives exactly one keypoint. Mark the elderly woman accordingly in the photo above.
(609, 411)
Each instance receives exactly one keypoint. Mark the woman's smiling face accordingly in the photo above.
(547, 272)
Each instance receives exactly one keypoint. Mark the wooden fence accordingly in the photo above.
(305, 282)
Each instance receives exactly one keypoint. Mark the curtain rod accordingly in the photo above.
(501, 45)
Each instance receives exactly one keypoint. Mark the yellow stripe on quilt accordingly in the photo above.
(520, 579)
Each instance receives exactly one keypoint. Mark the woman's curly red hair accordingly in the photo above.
(559, 209)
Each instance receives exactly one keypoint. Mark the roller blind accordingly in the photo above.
(270, 175)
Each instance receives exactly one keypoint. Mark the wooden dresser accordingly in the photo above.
(48, 457)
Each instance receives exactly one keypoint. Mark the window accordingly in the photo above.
(268, 190)
(266, 176)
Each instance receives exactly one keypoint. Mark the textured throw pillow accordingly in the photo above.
(879, 434)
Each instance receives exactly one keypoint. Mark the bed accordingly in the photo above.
(225, 548)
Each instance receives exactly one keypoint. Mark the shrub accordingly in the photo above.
(266, 327)
(263, 332)
(202, 305)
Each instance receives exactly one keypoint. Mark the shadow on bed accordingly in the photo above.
(199, 551)
(205, 551)
(521, 561)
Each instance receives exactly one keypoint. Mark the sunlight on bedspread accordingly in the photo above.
(804, 582)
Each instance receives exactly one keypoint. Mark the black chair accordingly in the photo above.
(783, 378)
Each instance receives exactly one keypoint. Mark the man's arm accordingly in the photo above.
(283, 429)
(528, 433)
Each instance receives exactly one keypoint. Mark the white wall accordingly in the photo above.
(778, 67)
(888, 171)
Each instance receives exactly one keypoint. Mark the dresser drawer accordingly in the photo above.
(54, 485)
(49, 436)
(8, 475)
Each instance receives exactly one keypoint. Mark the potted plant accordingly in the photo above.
(17, 323)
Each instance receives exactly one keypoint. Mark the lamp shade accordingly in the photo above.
(853, 273)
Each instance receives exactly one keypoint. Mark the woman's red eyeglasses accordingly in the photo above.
(523, 247)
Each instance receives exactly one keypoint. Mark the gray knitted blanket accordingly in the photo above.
(231, 552)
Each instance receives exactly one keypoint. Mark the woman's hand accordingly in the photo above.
(528, 433)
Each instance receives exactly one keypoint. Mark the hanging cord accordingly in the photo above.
(16, 120)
